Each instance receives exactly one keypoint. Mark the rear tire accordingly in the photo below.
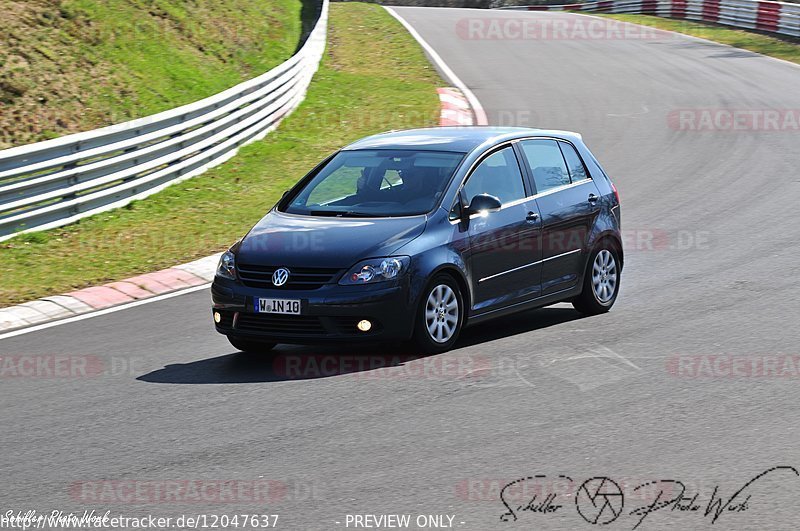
(600, 281)
(251, 347)
(440, 316)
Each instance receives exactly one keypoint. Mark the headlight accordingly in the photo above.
(376, 270)
(227, 266)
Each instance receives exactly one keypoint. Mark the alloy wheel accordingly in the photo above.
(604, 276)
(441, 313)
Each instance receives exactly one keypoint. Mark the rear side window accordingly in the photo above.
(498, 175)
(577, 171)
(546, 163)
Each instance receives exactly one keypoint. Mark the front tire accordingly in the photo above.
(250, 347)
(600, 281)
(440, 316)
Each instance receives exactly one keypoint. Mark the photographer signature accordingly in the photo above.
(600, 500)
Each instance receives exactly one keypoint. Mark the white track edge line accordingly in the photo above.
(477, 108)
(105, 311)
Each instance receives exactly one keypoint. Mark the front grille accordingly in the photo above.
(300, 278)
(301, 325)
(276, 324)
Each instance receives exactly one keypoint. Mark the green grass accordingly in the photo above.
(74, 65)
(756, 42)
(361, 88)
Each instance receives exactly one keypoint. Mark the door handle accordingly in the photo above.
(532, 216)
(593, 198)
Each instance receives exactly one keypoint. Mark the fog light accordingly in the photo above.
(217, 317)
(364, 325)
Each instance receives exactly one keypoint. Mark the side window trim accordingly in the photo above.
(485, 155)
(530, 185)
(525, 185)
(527, 176)
(578, 153)
(563, 159)
(529, 172)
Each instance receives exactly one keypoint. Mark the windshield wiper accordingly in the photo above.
(340, 213)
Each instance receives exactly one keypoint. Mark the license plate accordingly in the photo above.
(290, 306)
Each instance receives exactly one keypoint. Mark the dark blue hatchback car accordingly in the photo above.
(415, 234)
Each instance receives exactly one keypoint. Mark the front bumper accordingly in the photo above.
(328, 314)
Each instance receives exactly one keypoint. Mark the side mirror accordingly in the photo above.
(482, 203)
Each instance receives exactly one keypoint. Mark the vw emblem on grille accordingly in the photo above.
(280, 277)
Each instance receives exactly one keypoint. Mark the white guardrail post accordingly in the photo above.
(56, 182)
(774, 17)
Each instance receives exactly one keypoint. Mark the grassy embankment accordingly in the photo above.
(748, 40)
(75, 65)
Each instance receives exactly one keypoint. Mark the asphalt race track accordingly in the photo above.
(689, 378)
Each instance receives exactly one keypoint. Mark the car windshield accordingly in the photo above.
(377, 183)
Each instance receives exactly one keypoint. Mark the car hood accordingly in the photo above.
(309, 241)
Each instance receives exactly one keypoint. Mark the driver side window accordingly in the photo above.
(498, 175)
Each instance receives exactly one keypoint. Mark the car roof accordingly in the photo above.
(458, 139)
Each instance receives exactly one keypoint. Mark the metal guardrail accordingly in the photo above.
(56, 182)
(774, 17)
